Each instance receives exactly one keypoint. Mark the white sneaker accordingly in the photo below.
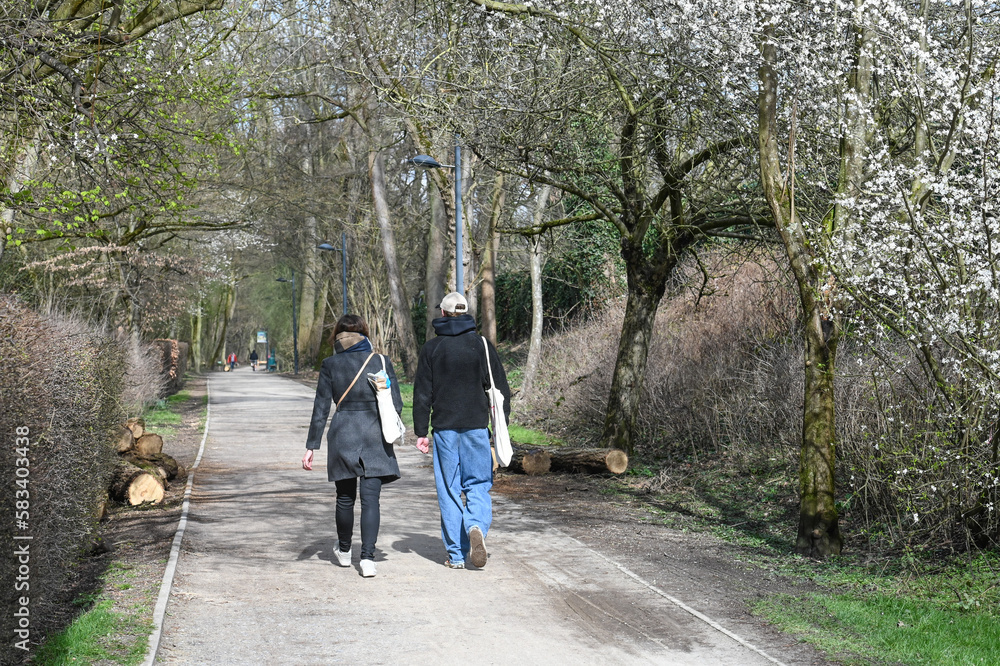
(477, 548)
(343, 559)
(368, 568)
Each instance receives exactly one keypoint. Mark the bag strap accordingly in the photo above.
(488, 366)
(354, 381)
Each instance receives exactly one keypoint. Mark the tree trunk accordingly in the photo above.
(196, 332)
(645, 290)
(397, 294)
(319, 317)
(307, 291)
(436, 270)
(228, 308)
(819, 531)
(488, 305)
(537, 306)
(18, 173)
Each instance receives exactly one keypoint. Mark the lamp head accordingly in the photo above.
(425, 162)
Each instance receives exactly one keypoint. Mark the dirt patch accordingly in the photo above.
(711, 575)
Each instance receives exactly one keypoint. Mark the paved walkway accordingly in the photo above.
(256, 584)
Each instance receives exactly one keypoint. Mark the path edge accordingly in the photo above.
(160, 610)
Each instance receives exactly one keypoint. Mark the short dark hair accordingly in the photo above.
(351, 323)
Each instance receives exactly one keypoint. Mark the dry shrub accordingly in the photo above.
(724, 365)
(63, 381)
(173, 365)
(144, 382)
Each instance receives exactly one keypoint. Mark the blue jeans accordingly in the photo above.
(463, 464)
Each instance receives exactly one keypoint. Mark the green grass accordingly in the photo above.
(517, 433)
(99, 634)
(860, 629)
(161, 416)
(523, 435)
(886, 608)
(406, 392)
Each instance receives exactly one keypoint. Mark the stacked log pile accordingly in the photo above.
(537, 460)
(144, 471)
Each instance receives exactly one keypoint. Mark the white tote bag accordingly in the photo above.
(392, 425)
(501, 438)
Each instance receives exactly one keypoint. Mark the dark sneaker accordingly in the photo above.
(454, 565)
(477, 548)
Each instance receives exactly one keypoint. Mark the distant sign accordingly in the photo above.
(262, 337)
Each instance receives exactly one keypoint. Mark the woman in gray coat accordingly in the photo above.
(357, 449)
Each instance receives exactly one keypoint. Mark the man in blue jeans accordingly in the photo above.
(449, 392)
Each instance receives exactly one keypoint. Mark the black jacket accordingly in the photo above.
(355, 436)
(449, 391)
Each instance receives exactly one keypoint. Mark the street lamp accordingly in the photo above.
(428, 162)
(295, 323)
(343, 261)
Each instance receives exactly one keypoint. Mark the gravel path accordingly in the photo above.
(255, 582)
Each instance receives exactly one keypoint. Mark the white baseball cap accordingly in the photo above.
(454, 302)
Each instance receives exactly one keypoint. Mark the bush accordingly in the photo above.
(64, 382)
(724, 369)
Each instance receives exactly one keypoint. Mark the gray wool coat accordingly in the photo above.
(355, 437)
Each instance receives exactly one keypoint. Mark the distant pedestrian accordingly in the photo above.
(449, 393)
(231, 359)
(253, 360)
(358, 457)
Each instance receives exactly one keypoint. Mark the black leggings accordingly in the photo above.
(347, 491)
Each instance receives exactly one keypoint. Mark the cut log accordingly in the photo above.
(124, 440)
(563, 459)
(160, 463)
(588, 460)
(137, 426)
(532, 461)
(148, 445)
(132, 485)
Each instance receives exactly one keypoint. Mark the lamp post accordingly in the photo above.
(428, 162)
(295, 323)
(343, 261)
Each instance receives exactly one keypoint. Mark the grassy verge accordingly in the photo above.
(115, 621)
(107, 632)
(161, 417)
(517, 433)
(886, 608)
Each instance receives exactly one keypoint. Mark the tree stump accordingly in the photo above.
(148, 445)
(133, 485)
